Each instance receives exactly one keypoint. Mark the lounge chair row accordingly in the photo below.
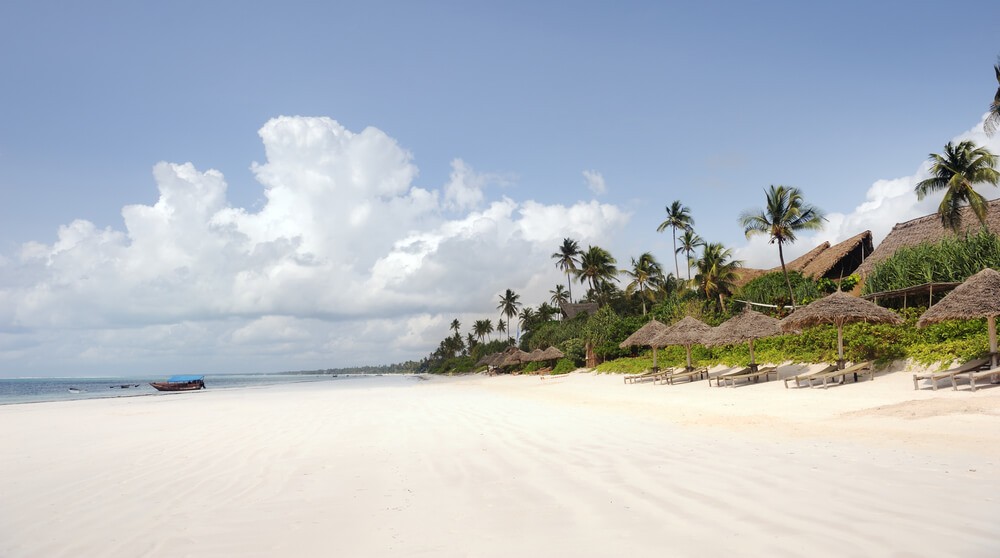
(973, 371)
(831, 373)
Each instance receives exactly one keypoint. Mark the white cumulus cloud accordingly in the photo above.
(347, 261)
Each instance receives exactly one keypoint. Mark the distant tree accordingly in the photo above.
(784, 215)
(470, 341)
(502, 327)
(455, 325)
(566, 260)
(526, 318)
(645, 273)
(546, 312)
(716, 277)
(957, 172)
(482, 328)
(508, 306)
(690, 242)
(678, 217)
(993, 120)
(596, 267)
(559, 296)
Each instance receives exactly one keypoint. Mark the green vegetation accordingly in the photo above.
(772, 288)
(952, 259)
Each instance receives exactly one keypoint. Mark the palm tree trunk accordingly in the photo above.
(569, 285)
(788, 283)
(677, 268)
(688, 254)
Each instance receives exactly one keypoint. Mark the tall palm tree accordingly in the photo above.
(993, 120)
(678, 217)
(482, 328)
(470, 340)
(690, 241)
(455, 325)
(645, 273)
(596, 266)
(525, 320)
(785, 214)
(566, 260)
(956, 172)
(502, 328)
(716, 277)
(508, 306)
(559, 296)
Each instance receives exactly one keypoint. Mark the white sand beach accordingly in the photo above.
(579, 465)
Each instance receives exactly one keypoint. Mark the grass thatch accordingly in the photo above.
(977, 297)
(745, 326)
(643, 335)
(839, 308)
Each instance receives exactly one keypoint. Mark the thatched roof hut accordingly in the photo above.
(977, 297)
(838, 308)
(832, 262)
(928, 229)
(515, 357)
(571, 311)
(537, 355)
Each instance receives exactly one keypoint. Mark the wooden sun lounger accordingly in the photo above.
(806, 375)
(651, 375)
(859, 370)
(992, 373)
(974, 365)
(689, 375)
(719, 379)
(749, 376)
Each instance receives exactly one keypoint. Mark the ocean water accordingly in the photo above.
(32, 390)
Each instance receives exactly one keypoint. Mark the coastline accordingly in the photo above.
(579, 465)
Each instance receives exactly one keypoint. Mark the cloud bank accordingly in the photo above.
(347, 262)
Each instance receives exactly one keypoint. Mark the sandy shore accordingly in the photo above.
(580, 465)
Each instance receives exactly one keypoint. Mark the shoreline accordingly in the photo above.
(579, 464)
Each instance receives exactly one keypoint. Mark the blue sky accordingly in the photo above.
(470, 105)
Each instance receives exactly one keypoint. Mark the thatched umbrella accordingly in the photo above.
(838, 309)
(643, 336)
(552, 353)
(515, 356)
(687, 332)
(977, 297)
(537, 355)
(746, 326)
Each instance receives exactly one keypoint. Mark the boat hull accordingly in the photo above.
(178, 386)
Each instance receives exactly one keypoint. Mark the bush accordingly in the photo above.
(564, 366)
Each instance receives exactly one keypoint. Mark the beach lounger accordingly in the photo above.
(993, 374)
(804, 377)
(651, 375)
(689, 375)
(974, 365)
(721, 377)
(858, 370)
(749, 376)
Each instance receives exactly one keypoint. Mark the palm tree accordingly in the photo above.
(559, 296)
(508, 306)
(716, 277)
(525, 319)
(993, 120)
(786, 213)
(645, 272)
(957, 171)
(455, 325)
(596, 266)
(678, 217)
(566, 260)
(482, 328)
(502, 328)
(690, 241)
(471, 341)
